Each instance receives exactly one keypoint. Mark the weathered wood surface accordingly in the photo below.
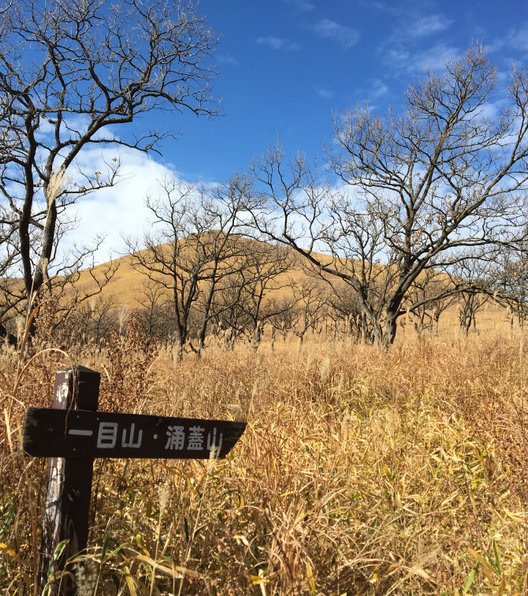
(69, 488)
(72, 433)
(85, 434)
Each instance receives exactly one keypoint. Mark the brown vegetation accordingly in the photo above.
(361, 472)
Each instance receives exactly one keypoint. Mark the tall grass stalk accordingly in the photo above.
(361, 471)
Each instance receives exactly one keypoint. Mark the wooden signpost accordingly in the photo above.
(81, 433)
(73, 432)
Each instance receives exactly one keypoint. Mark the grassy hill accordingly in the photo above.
(127, 286)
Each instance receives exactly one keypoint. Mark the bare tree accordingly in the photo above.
(193, 247)
(7, 338)
(249, 298)
(285, 319)
(70, 75)
(346, 314)
(429, 297)
(228, 248)
(510, 281)
(419, 189)
(470, 302)
(474, 281)
(90, 323)
(154, 314)
(309, 308)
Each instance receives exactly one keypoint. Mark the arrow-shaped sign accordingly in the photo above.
(86, 435)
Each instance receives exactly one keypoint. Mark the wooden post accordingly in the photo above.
(69, 488)
(74, 432)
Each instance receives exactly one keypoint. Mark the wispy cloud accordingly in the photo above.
(304, 5)
(428, 25)
(228, 59)
(434, 58)
(378, 89)
(410, 29)
(371, 94)
(325, 92)
(346, 37)
(278, 43)
(518, 38)
(429, 60)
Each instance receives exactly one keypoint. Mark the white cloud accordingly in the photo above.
(428, 25)
(402, 52)
(110, 212)
(277, 43)
(119, 211)
(435, 58)
(228, 59)
(432, 59)
(346, 37)
(378, 89)
(491, 111)
(371, 94)
(73, 126)
(518, 38)
(325, 92)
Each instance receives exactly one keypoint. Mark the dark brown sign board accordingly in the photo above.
(84, 434)
(71, 435)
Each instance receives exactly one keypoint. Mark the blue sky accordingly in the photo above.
(285, 68)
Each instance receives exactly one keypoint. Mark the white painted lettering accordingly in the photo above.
(212, 442)
(196, 438)
(107, 435)
(130, 442)
(175, 438)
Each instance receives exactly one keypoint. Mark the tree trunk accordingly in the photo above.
(389, 334)
(257, 335)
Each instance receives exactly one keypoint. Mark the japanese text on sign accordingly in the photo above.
(177, 438)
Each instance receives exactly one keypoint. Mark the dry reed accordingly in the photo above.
(361, 471)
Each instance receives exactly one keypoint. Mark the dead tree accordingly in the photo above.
(418, 190)
(71, 74)
(249, 300)
(192, 249)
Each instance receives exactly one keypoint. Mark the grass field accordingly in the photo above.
(361, 471)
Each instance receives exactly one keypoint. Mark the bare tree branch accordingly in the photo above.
(70, 75)
(421, 191)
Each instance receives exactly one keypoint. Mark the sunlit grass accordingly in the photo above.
(360, 472)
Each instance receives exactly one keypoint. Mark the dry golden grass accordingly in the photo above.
(127, 286)
(360, 472)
